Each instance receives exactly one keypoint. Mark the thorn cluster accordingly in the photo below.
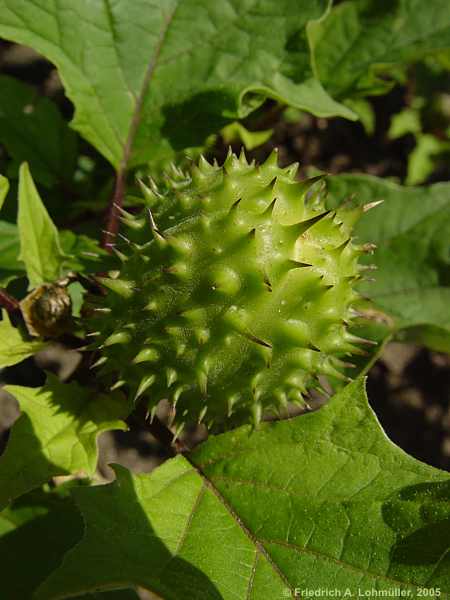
(235, 292)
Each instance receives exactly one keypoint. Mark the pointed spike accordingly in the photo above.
(90, 254)
(124, 238)
(371, 205)
(243, 158)
(171, 376)
(119, 337)
(344, 364)
(178, 391)
(354, 339)
(121, 287)
(272, 159)
(98, 363)
(148, 354)
(344, 244)
(350, 349)
(150, 196)
(204, 165)
(120, 383)
(120, 255)
(122, 212)
(202, 334)
(257, 340)
(269, 210)
(177, 433)
(102, 309)
(153, 413)
(159, 237)
(145, 383)
(133, 223)
(202, 380)
(202, 414)
(231, 401)
(295, 264)
(234, 206)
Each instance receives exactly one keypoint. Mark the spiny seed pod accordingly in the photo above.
(234, 294)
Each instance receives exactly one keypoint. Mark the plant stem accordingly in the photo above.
(112, 220)
(9, 303)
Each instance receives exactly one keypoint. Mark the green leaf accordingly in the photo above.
(421, 161)
(13, 346)
(40, 249)
(363, 41)
(36, 532)
(33, 130)
(250, 139)
(4, 187)
(404, 122)
(10, 266)
(56, 434)
(152, 76)
(412, 231)
(323, 499)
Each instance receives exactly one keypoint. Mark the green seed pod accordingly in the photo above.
(234, 294)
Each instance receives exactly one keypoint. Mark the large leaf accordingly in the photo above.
(33, 130)
(412, 231)
(4, 187)
(31, 534)
(40, 248)
(362, 41)
(149, 76)
(56, 434)
(323, 499)
(13, 346)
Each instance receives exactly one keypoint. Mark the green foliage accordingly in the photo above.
(163, 75)
(33, 130)
(317, 501)
(36, 249)
(363, 45)
(40, 248)
(250, 139)
(427, 119)
(39, 528)
(321, 498)
(13, 346)
(56, 434)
